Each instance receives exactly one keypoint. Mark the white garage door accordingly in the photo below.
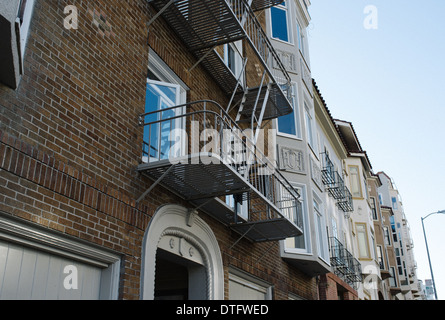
(36, 263)
(27, 273)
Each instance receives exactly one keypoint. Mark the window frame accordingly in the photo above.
(301, 41)
(380, 257)
(167, 77)
(287, 12)
(386, 236)
(364, 232)
(358, 181)
(301, 188)
(320, 228)
(26, 7)
(394, 203)
(296, 116)
(237, 49)
(310, 126)
(373, 205)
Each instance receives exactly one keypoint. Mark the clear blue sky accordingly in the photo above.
(389, 83)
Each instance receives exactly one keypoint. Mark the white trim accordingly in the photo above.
(302, 190)
(165, 74)
(174, 220)
(251, 282)
(24, 28)
(31, 236)
(289, 24)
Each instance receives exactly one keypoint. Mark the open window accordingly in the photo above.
(15, 19)
(165, 93)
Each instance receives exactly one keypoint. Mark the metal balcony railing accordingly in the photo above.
(198, 152)
(344, 263)
(327, 172)
(346, 203)
(337, 188)
(335, 185)
(204, 25)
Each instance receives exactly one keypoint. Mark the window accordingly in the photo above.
(309, 127)
(301, 40)
(280, 22)
(394, 202)
(301, 243)
(380, 257)
(290, 124)
(24, 16)
(15, 18)
(386, 236)
(322, 241)
(362, 238)
(290, 207)
(392, 280)
(233, 58)
(380, 199)
(240, 206)
(164, 91)
(157, 141)
(373, 208)
(354, 179)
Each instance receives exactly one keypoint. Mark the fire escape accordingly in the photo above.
(335, 185)
(344, 263)
(232, 167)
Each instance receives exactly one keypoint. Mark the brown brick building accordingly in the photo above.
(72, 177)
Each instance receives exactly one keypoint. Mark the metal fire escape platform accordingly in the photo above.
(276, 104)
(203, 25)
(235, 167)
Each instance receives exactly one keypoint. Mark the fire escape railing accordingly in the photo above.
(344, 263)
(211, 157)
(335, 184)
(204, 25)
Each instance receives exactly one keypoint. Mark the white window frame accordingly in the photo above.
(386, 236)
(320, 228)
(166, 77)
(310, 127)
(301, 188)
(243, 207)
(296, 113)
(24, 26)
(237, 48)
(177, 123)
(394, 204)
(368, 255)
(289, 19)
(302, 44)
(358, 181)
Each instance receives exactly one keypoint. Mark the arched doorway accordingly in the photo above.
(181, 257)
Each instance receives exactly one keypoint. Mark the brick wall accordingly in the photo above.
(70, 143)
(331, 287)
